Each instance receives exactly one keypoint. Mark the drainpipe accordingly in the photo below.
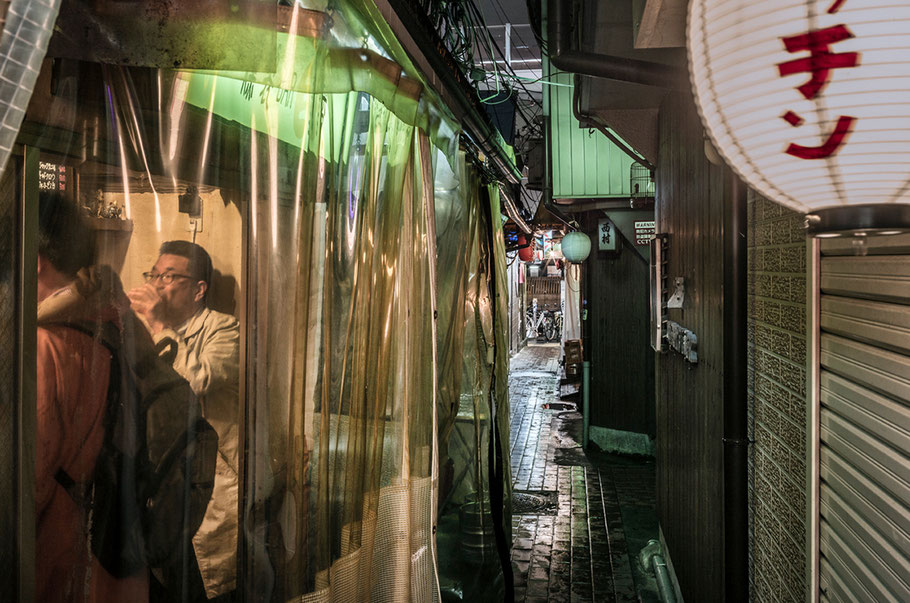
(585, 400)
(651, 557)
(662, 574)
(586, 121)
(735, 440)
(564, 57)
(547, 197)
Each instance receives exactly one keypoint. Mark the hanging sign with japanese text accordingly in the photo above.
(806, 100)
(606, 235)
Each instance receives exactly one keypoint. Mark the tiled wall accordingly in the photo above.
(777, 401)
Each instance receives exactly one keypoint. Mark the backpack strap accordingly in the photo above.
(106, 333)
(80, 491)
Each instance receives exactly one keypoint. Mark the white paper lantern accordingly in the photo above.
(809, 101)
(576, 246)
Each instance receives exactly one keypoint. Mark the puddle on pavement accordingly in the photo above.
(571, 457)
(566, 436)
(534, 503)
(565, 430)
(557, 406)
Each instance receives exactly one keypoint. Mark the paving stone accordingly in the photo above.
(521, 554)
(537, 588)
(539, 573)
(523, 543)
(540, 561)
(581, 553)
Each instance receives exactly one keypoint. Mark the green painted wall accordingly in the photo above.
(585, 163)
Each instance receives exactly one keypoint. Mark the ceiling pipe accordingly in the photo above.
(585, 120)
(512, 211)
(564, 57)
(559, 214)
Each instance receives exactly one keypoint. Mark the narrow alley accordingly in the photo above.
(579, 518)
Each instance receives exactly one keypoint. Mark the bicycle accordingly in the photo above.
(544, 324)
(533, 323)
(552, 325)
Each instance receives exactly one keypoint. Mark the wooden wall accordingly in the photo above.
(16, 468)
(622, 361)
(691, 201)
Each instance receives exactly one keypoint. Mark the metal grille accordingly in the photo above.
(543, 286)
(640, 180)
(864, 424)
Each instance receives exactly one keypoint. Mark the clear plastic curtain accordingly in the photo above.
(366, 481)
(499, 287)
(471, 386)
(571, 326)
(316, 210)
(329, 197)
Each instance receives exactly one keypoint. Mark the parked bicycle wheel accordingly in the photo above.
(548, 328)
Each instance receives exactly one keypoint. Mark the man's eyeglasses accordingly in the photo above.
(166, 278)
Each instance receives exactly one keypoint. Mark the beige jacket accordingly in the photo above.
(208, 356)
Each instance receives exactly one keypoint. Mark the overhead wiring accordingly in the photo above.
(500, 10)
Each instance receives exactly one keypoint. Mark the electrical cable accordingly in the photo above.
(464, 40)
(472, 7)
(497, 6)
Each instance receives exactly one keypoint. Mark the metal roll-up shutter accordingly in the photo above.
(864, 420)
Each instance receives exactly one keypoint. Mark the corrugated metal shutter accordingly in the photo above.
(864, 421)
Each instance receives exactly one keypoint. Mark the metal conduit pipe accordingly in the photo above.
(651, 558)
(563, 56)
(586, 401)
(547, 198)
(585, 120)
(735, 438)
(512, 210)
(557, 212)
(662, 574)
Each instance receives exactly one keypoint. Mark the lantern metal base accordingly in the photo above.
(859, 220)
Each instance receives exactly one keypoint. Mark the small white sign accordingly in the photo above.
(644, 231)
(606, 235)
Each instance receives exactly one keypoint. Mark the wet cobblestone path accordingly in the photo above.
(579, 519)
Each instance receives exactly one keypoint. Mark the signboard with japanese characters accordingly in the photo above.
(644, 232)
(52, 177)
(606, 235)
(806, 100)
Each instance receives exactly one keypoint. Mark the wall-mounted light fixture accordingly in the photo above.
(190, 202)
(807, 101)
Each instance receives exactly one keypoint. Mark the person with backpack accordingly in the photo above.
(73, 377)
(206, 352)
